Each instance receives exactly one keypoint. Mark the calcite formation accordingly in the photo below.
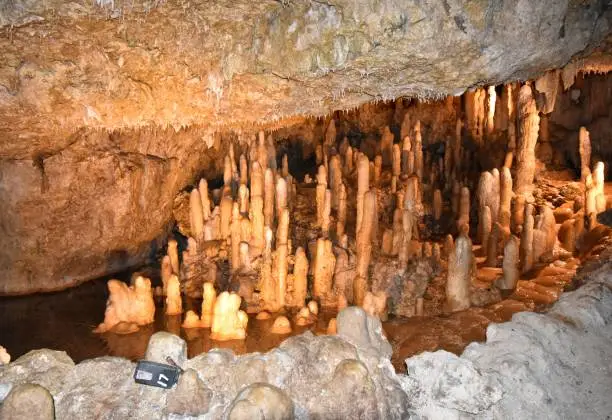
(128, 304)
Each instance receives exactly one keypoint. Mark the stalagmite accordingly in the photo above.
(341, 214)
(449, 246)
(464, 208)
(437, 204)
(419, 306)
(281, 195)
(375, 304)
(398, 232)
(227, 173)
(386, 147)
(406, 151)
(493, 244)
(166, 272)
(364, 247)
(348, 161)
(300, 279)
(191, 320)
(281, 326)
(396, 168)
(245, 257)
(285, 167)
(584, 149)
(567, 235)
(378, 162)
(257, 181)
(257, 225)
(174, 304)
(335, 180)
(229, 322)
(244, 171)
(460, 266)
(235, 237)
(418, 151)
(173, 254)
(407, 226)
(262, 151)
(510, 265)
(313, 307)
(203, 190)
(304, 317)
(243, 198)
(486, 225)
(332, 327)
(505, 200)
(330, 134)
(129, 304)
(324, 265)
(363, 185)
(226, 216)
(526, 245)
(320, 193)
(269, 197)
(527, 138)
(598, 185)
(268, 291)
(281, 256)
(209, 296)
(518, 212)
(325, 221)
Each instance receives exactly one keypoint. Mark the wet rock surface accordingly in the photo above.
(551, 365)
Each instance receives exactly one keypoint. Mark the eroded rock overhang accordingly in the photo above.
(125, 64)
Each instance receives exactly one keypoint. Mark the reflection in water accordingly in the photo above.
(65, 321)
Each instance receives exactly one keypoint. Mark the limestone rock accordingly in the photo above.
(47, 368)
(261, 401)
(363, 330)
(163, 345)
(451, 382)
(190, 397)
(28, 402)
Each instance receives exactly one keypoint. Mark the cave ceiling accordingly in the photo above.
(66, 66)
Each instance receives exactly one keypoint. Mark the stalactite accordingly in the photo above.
(492, 97)
(325, 216)
(527, 138)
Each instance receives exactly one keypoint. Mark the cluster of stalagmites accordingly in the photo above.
(247, 222)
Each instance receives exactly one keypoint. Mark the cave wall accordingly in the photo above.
(98, 206)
